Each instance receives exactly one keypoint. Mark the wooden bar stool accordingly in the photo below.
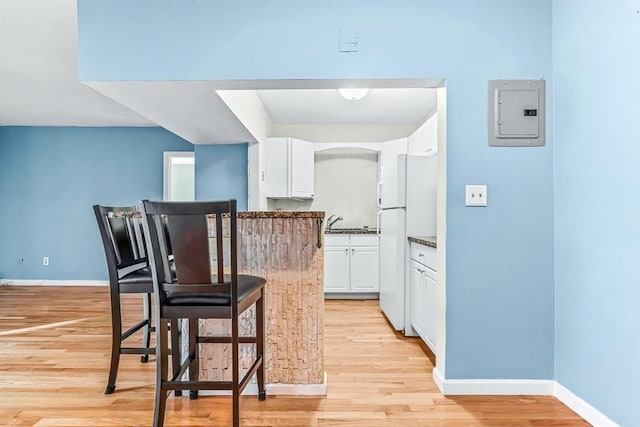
(123, 241)
(198, 291)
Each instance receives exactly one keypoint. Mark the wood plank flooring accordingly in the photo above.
(54, 357)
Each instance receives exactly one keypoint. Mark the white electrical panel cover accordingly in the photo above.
(516, 113)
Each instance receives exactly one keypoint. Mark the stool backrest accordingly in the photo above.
(122, 238)
(191, 228)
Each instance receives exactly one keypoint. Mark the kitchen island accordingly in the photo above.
(286, 249)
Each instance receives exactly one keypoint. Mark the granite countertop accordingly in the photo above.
(281, 214)
(250, 214)
(350, 231)
(425, 240)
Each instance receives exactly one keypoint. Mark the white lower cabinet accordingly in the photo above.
(336, 269)
(423, 288)
(351, 263)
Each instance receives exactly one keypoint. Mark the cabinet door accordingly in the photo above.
(336, 269)
(277, 167)
(391, 187)
(364, 269)
(430, 305)
(302, 169)
(416, 298)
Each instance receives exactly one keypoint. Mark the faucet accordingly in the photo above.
(331, 221)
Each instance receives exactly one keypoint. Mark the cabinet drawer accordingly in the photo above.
(336, 240)
(425, 255)
(364, 240)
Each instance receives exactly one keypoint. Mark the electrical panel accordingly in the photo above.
(516, 113)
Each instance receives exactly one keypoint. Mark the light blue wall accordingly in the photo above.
(221, 173)
(597, 201)
(500, 258)
(49, 180)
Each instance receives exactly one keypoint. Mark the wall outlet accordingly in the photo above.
(476, 195)
(45, 260)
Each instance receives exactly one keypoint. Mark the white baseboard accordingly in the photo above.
(523, 387)
(582, 408)
(276, 389)
(438, 378)
(495, 387)
(21, 282)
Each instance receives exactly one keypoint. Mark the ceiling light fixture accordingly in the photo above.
(353, 94)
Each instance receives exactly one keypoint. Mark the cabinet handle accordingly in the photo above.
(421, 255)
(353, 251)
(346, 251)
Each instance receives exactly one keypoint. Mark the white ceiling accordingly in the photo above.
(379, 106)
(39, 87)
(38, 70)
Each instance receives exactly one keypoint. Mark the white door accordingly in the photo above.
(336, 269)
(364, 269)
(392, 265)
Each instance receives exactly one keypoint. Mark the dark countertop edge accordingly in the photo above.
(363, 231)
(427, 241)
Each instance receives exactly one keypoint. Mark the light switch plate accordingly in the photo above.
(476, 195)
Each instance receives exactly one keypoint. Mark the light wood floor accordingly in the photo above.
(54, 353)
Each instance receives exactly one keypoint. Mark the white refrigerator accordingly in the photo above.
(407, 202)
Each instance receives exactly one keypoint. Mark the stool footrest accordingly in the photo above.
(135, 328)
(130, 350)
(252, 370)
(199, 385)
(224, 340)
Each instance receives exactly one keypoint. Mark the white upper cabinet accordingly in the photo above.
(289, 168)
(390, 193)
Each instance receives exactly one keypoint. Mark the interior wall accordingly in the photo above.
(345, 185)
(597, 200)
(499, 267)
(425, 138)
(50, 177)
(221, 173)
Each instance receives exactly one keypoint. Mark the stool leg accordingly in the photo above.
(175, 349)
(116, 339)
(262, 392)
(194, 365)
(235, 374)
(162, 367)
(146, 330)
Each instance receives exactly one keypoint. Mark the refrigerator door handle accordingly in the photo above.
(379, 194)
(378, 222)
